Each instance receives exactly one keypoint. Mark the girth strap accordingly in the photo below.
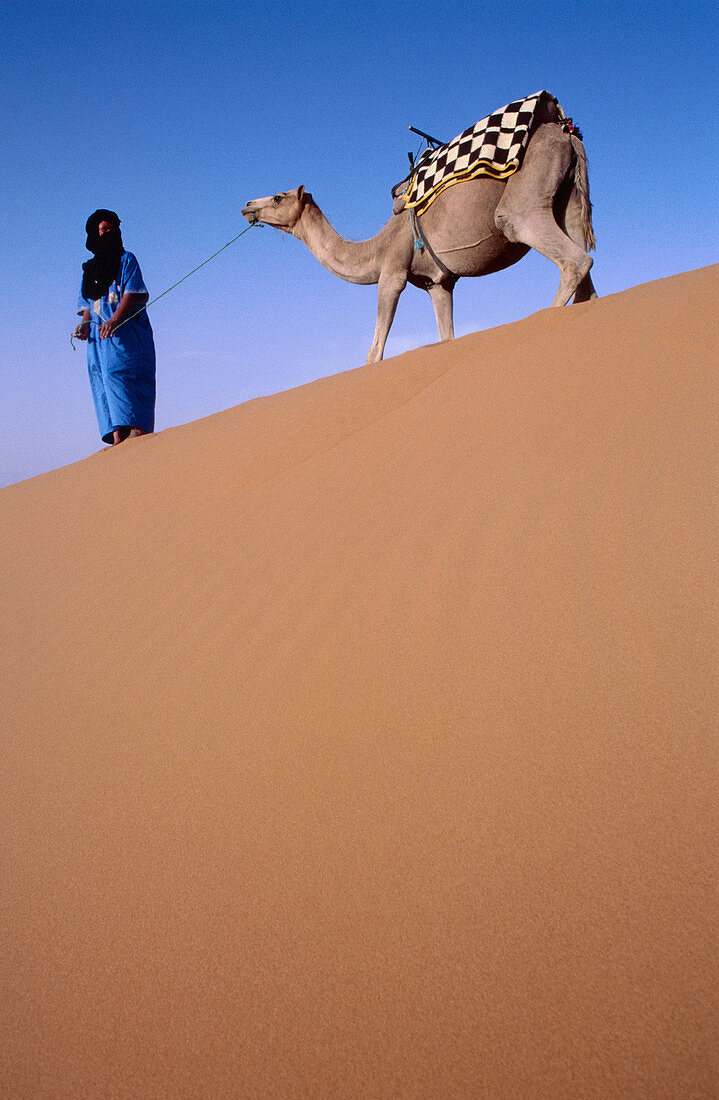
(421, 236)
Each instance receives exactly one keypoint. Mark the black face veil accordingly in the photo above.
(107, 251)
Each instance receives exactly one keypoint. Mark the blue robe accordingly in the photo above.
(122, 366)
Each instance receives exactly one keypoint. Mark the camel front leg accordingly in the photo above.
(388, 292)
(442, 301)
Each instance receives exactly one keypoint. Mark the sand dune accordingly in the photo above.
(360, 741)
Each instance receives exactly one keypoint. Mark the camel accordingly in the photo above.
(472, 228)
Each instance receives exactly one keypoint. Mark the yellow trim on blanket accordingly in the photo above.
(481, 168)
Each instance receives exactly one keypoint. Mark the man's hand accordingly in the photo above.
(107, 328)
(82, 331)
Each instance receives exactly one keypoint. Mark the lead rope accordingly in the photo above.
(152, 302)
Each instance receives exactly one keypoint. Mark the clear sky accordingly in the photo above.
(175, 114)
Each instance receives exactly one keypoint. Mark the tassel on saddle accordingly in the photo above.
(568, 126)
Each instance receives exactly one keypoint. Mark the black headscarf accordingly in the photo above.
(98, 273)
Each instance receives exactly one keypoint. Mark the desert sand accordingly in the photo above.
(360, 741)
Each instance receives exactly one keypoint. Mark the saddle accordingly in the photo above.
(494, 146)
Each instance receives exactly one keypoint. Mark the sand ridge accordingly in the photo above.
(360, 740)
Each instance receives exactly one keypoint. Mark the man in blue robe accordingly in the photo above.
(120, 345)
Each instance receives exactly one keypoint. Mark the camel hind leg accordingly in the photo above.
(570, 220)
(526, 210)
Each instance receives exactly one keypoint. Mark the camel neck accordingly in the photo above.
(355, 261)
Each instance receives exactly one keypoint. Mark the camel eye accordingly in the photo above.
(277, 199)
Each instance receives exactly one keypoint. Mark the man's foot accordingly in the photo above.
(134, 432)
(120, 435)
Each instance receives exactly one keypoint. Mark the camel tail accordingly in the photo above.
(581, 182)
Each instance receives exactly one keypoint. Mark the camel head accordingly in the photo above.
(283, 210)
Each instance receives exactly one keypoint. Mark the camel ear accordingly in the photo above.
(300, 192)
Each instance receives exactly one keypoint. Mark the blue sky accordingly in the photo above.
(175, 114)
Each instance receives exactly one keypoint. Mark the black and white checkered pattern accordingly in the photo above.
(494, 146)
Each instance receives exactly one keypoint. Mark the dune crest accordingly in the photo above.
(360, 741)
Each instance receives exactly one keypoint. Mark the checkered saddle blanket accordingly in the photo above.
(494, 146)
